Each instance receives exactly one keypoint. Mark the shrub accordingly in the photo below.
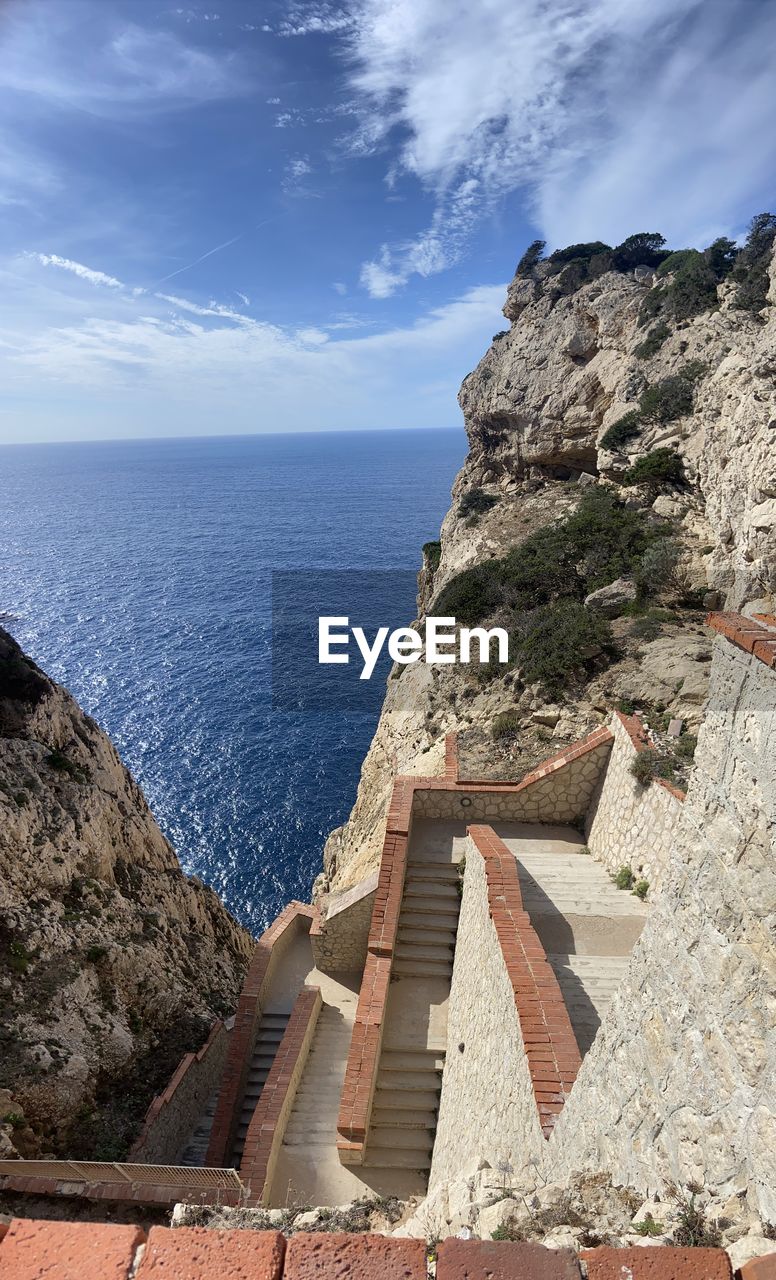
(653, 341)
(624, 878)
(661, 467)
(657, 568)
(531, 258)
(641, 889)
(623, 429)
(693, 289)
(643, 766)
(579, 252)
(692, 1229)
(674, 261)
(668, 399)
(645, 628)
(648, 1226)
(644, 249)
(475, 502)
(600, 541)
(59, 761)
(685, 746)
(751, 268)
(721, 256)
(432, 554)
(96, 953)
(506, 725)
(18, 957)
(559, 644)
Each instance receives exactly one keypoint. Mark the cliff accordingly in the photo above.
(113, 963)
(647, 386)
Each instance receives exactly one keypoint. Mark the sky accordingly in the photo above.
(243, 216)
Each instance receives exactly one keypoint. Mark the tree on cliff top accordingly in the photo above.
(531, 258)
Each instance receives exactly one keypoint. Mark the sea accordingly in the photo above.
(140, 575)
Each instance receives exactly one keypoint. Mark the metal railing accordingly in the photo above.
(88, 1171)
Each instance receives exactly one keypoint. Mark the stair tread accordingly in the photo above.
(390, 1158)
(395, 1099)
(407, 1118)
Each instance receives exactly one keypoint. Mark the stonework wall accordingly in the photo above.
(174, 1114)
(339, 940)
(487, 1104)
(628, 824)
(560, 794)
(680, 1083)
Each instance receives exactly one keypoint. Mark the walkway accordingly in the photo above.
(587, 927)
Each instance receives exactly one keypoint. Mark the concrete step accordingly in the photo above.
(401, 1139)
(439, 872)
(396, 1059)
(423, 951)
(391, 1118)
(422, 968)
(415, 917)
(433, 891)
(390, 1098)
(409, 1081)
(424, 937)
(394, 1158)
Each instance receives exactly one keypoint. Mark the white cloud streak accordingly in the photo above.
(77, 269)
(655, 114)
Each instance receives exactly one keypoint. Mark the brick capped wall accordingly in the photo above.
(30, 1250)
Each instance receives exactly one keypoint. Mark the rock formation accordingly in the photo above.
(112, 961)
(576, 359)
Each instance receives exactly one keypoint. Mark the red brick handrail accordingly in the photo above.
(640, 740)
(757, 638)
(548, 1037)
(552, 764)
(97, 1250)
(243, 1034)
(268, 1122)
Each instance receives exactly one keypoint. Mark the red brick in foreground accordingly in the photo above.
(338, 1256)
(67, 1250)
(759, 1268)
(194, 1253)
(501, 1260)
(656, 1262)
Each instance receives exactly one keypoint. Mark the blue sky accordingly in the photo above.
(242, 216)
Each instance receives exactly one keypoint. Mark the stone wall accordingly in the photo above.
(487, 1105)
(628, 824)
(680, 1083)
(174, 1114)
(339, 939)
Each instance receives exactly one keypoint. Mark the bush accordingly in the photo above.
(59, 761)
(685, 746)
(657, 568)
(506, 725)
(531, 258)
(623, 429)
(18, 957)
(559, 644)
(693, 370)
(653, 341)
(600, 541)
(641, 889)
(475, 502)
(432, 554)
(624, 878)
(643, 766)
(648, 1226)
(644, 249)
(656, 469)
(674, 261)
(579, 252)
(692, 1229)
(752, 263)
(668, 399)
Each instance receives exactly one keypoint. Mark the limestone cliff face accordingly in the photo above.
(535, 410)
(112, 962)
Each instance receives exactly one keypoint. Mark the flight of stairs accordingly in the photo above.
(409, 1078)
(195, 1151)
(313, 1119)
(269, 1035)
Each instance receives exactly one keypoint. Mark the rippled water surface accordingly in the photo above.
(138, 573)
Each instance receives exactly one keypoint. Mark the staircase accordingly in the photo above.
(409, 1077)
(586, 925)
(313, 1119)
(195, 1151)
(271, 1029)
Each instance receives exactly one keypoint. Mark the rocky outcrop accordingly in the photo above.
(113, 963)
(536, 409)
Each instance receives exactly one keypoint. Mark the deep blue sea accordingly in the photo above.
(138, 575)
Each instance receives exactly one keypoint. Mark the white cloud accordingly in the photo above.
(655, 114)
(85, 58)
(77, 269)
(299, 167)
(182, 367)
(314, 19)
(340, 287)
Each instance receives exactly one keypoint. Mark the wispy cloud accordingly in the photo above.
(85, 58)
(611, 117)
(313, 19)
(78, 269)
(183, 366)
